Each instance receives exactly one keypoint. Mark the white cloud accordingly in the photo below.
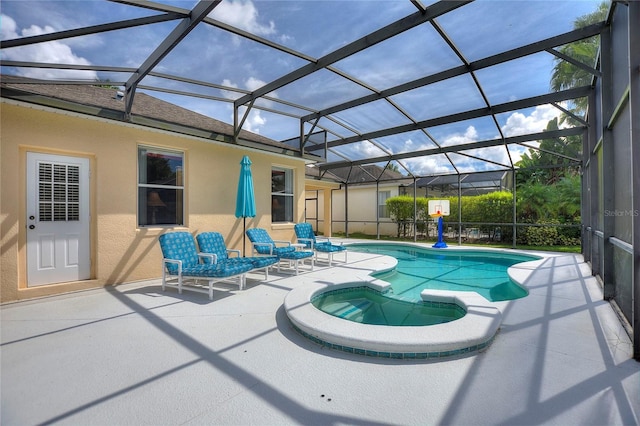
(470, 135)
(253, 83)
(434, 164)
(8, 28)
(520, 124)
(242, 14)
(228, 93)
(55, 52)
(255, 121)
(366, 149)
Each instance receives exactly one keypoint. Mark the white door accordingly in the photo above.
(57, 219)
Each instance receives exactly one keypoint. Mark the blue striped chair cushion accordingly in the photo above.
(262, 261)
(259, 235)
(212, 242)
(304, 231)
(328, 247)
(179, 246)
(218, 271)
(293, 255)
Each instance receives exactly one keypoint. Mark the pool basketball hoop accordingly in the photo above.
(437, 209)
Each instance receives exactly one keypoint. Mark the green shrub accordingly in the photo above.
(541, 235)
(401, 209)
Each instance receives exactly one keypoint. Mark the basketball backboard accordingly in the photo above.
(438, 208)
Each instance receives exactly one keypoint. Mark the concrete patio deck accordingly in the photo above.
(134, 355)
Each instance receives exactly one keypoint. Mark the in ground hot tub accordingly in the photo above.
(473, 331)
(365, 305)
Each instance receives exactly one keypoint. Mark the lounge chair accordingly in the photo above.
(306, 236)
(213, 242)
(264, 245)
(182, 266)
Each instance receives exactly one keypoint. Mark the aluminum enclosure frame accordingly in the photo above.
(610, 159)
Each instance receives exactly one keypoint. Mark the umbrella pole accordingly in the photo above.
(244, 236)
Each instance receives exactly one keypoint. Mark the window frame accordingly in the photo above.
(179, 187)
(289, 185)
(382, 206)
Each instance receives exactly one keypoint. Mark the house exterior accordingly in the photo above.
(86, 191)
(357, 205)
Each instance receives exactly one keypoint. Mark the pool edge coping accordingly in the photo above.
(306, 319)
(472, 332)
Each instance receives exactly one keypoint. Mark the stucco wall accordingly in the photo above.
(363, 205)
(121, 251)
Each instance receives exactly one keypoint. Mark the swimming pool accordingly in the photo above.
(482, 271)
(473, 332)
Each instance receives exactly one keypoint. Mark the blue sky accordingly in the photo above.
(315, 28)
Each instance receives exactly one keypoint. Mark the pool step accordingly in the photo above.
(350, 309)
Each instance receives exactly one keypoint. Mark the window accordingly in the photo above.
(160, 187)
(58, 192)
(281, 195)
(382, 203)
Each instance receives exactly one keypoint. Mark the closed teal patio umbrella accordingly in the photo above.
(245, 200)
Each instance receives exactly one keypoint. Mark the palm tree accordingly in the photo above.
(565, 74)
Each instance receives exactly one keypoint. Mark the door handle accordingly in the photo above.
(32, 227)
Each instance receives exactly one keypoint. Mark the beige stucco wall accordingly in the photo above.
(363, 205)
(120, 250)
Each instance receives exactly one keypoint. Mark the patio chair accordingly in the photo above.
(213, 242)
(264, 245)
(306, 236)
(182, 266)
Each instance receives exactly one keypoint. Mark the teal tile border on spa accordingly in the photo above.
(395, 355)
(471, 333)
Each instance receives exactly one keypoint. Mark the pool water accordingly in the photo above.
(482, 271)
(367, 306)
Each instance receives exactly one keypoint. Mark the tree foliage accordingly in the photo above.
(539, 202)
(401, 209)
(565, 74)
(548, 184)
(544, 166)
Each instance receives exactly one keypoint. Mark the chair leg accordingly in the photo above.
(210, 289)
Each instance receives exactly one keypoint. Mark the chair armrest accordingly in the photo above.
(327, 240)
(305, 241)
(177, 262)
(213, 257)
(237, 252)
(282, 242)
